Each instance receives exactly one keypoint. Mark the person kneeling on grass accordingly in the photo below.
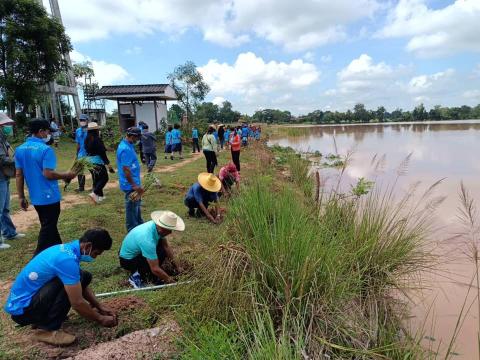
(229, 176)
(52, 282)
(201, 194)
(145, 249)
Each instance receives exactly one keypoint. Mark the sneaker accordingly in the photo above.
(79, 190)
(94, 197)
(58, 337)
(101, 198)
(171, 157)
(17, 236)
(136, 281)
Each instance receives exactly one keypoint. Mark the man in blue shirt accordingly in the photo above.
(145, 249)
(129, 176)
(52, 282)
(195, 143)
(244, 135)
(35, 162)
(168, 141)
(80, 136)
(176, 141)
(201, 194)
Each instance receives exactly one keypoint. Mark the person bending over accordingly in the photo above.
(201, 194)
(145, 249)
(229, 176)
(52, 282)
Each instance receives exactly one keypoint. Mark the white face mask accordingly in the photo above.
(47, 139)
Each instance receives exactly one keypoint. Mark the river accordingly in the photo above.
(439, 150)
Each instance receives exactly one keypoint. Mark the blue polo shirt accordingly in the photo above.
(33, 157)
(126, 156)
(80, 136)
(227, 135)
(244, 132)
(200, 195)
(141, 240)
(168, 137)
(195, 134)
(62, 261)
(176, 136)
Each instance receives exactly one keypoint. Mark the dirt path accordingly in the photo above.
(24, 219)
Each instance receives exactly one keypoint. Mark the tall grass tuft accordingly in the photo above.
(326, 271)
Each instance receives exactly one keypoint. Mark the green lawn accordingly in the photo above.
(191, 245)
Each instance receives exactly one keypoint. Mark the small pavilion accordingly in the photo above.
(135, 103)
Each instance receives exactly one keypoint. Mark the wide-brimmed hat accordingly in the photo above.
(168, 220)
(209, 182)
(93, 126)
(5, 120)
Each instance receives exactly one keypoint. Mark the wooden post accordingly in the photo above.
(156, 117)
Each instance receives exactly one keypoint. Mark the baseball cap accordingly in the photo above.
(134, 131)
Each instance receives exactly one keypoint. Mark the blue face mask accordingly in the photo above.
(86, 258)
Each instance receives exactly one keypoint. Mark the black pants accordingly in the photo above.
(211, 158)
(236, 159)
(100, 179)
(195, 144)
(49, 307)
(48, 235)
(81, 182)
(140, 264)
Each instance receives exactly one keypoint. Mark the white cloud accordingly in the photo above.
(218, 100)
(435, 32)
(431, 83)
(297, 26)
(326, 59)
(472, 94)
(476, 71)
(309, 56)
(251, 75)
(105, 73)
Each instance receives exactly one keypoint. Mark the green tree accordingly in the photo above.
(207, 112)
(175, 113)
(419, 113)
(32, 46)
(380, 114)
(360, 113)
(189, 86)
(226, 113)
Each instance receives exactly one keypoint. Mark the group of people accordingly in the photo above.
(53, 281)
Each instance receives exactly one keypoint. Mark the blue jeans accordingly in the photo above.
(8, 229)
(133, 212)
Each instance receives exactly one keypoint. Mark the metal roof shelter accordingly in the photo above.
(147, 103)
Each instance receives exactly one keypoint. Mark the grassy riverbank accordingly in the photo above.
(284, 277)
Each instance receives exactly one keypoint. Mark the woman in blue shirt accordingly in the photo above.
(176, 141)
(168, 141)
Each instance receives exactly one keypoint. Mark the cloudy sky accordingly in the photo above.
(297, 55)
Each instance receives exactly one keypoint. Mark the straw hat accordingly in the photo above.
(168, 220)
(92, 126)
(209, 182)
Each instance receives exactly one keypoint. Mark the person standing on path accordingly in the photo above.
(7, 170)
(209, 146)
(52, 282)
(235, 149)
(129, 176)
(80, 136)
(176, 141)
(149, 148)
(221, 135)
(195, 144)
(35, 164)
(97, 154)
(168, 142)
(227, 138)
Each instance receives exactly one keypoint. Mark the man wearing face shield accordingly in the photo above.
(7, 170)
(52, 282)
(35, 164)
(129, 176)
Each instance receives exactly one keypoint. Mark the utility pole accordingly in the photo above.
(55, 90)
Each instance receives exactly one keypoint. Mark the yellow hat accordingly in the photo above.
(209, 182)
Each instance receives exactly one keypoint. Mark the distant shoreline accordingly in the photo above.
(430, 122)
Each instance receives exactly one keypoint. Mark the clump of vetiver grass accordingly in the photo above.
(149, 180)
(79, 167)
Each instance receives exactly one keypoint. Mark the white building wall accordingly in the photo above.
(162, 115)
(144, 112)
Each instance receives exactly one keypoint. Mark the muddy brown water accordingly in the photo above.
(438, 150)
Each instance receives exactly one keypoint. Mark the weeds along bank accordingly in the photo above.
(298, 278)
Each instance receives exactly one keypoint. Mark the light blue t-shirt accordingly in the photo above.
(141, 240)
(33, 157)
(176, 136)
(168, 137)
(80, 136)
(227, 135)
(195, 134)
(126, 156)
(62, 261)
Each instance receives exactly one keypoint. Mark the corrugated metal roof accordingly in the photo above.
(131, 89)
